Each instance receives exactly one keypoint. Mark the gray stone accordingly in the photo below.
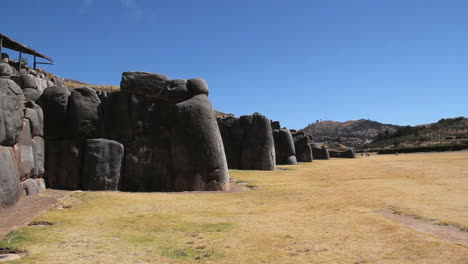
(198, 86)
(54, 102)
(38, 146)
(11, 112)
(258, 149)
(349, 153)
(320, 152)
(10, 188)
(197, 152)
(147, 164)
(145, 115)
(143, 83)
(63, 164)
(303, 148)
(31, 94)
(83, 113)
(37, 127)
(33, 186)
(116, 121)
(102, 160)
(275, 125)
(232, 134)
(156, 86)
(29, 81)
(24, 152)
(284, 147)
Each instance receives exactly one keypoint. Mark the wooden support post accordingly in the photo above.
(1, 44)
(35, 62)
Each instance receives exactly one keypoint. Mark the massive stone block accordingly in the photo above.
(11, 112)
(24, 152)
(232, 134)
(10, 188)
(349, 153)
(116, 121)
(284, 147)
(258, 151)
(302, 147)
(147, 164)
(38, 146)
(145, 115)
(102, 160)
(35, 115)
(33, 186)
(320, 151)
(83, 113)
(54, 103)
(197, 151)
(63, 164)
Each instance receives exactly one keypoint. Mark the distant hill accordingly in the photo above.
(353, 132)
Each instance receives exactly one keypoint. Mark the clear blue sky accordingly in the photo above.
(394, 61)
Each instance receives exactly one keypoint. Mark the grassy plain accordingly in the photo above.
(322, 212)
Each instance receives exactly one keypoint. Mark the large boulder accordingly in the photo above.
(349, 153)
(198, 86)
(38, 146)
(10, 188)
(156, 86)
(197, 152)
(63, 164)
(116, 120)
(83, 113)
(54, 102)
(102, 160)
(147, 164)
(24, 152)
(303, 148)
(284, 147)
(33, 186)
(11, 112)
(258, 149)
(319, 151)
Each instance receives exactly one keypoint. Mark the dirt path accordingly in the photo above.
(445, 232)
(28, 208)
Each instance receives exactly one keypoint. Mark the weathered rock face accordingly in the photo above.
(11, 112)
(302, 147)
(39, 156)
(10, 188)
(284, 147)
(54, 102)
(197, 151)
(35, 115)
(83, 113)
(248, 142)
(320, 151)
(63, 164)
(102, 164)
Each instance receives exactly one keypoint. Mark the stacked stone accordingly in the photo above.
(248, 142)
(285, 150)
(21, 145)
(303, 147)
(166, 127)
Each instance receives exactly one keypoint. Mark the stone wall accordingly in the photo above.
(21, 144)
(156, 134)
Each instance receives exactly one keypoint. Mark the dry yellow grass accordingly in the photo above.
(324, 212)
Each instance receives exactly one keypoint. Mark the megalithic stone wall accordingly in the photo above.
(303, 148)
(284, 147)
(320, 151)
(248, 142)
(156, 134)
(21, 144)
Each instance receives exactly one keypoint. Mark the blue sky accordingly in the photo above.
(297, 61)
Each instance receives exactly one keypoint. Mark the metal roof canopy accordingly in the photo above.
(12, 44)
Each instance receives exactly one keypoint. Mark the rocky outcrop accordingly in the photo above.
(248, 142)
(284, 147)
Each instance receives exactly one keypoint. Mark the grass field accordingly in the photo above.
(322, 212)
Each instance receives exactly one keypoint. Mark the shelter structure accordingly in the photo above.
(9, 43)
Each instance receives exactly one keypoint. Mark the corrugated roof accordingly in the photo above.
(12, 44)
